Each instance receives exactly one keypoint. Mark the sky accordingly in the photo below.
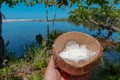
(20, 11)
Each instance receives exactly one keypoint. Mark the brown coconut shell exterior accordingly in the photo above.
(81, 67)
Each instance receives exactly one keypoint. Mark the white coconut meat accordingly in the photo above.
(74, 52)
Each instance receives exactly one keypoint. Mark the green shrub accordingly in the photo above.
(52, 36)
(109, 71)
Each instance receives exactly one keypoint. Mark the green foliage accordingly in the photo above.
(31, 67)
(118, 48)
(109, 71)
(52, 36)
(100, 2)
(9, 74)
(10, 3)
(10, 56)
(65, 2)
(97, 13)
(41, 59)
(35, 76)
(46, 2)
(31, 52)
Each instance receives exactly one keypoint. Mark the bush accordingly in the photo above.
(51, 37)
(109, 71)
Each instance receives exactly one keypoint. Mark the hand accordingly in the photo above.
(52, 73)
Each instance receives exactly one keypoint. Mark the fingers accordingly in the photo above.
(51, 73)
(51, 63)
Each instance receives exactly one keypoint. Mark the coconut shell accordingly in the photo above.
(72, 67)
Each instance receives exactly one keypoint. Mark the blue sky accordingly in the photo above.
(38, 11)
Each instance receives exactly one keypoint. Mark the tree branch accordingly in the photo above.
(113, 28)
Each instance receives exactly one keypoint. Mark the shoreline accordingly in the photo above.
(31, 20)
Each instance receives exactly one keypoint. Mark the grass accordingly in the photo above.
(31, 67)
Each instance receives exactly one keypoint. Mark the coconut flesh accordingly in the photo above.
(73, 51)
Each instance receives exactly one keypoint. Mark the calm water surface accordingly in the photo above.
(21, 34)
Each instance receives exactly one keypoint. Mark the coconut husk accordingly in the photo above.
(81, 67)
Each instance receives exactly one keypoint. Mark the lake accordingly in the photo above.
(21, 34)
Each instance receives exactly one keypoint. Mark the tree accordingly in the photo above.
(99, 14)
(10, 3)
(103, 14)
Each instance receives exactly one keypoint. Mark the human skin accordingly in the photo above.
(53, 73)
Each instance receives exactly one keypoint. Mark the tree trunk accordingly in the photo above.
(2, 45)
(47, 20)
(0, 20)
(54, 18)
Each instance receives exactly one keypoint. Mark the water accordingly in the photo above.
(21, 34)
(113, 56)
